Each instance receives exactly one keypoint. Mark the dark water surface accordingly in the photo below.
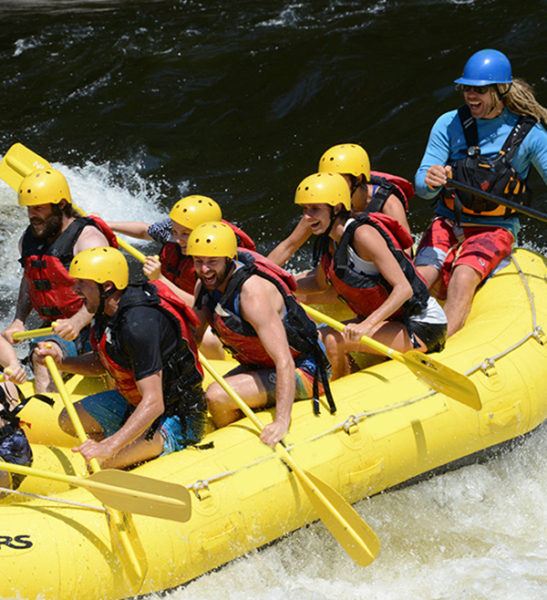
(238, 100)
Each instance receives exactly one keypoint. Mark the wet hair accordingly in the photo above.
(519, 98)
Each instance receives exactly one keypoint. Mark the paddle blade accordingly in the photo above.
(18, 162)
(443, 379)
(345, 524)
(133, 493)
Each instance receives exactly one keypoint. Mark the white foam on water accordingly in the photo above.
(478, 533)
(125, 196)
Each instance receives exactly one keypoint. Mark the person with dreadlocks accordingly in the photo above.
(55, 234)
(142, 336)
(489, 143)
(364, 260)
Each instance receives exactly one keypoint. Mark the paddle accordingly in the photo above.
(19, 161)
(350, 530)
(33, 333)
(123, 491)
(440, 377)
(122, 529)
(525, 210)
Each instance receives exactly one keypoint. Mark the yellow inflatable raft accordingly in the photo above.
(389, 428)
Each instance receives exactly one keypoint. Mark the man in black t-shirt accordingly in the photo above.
(141, 335)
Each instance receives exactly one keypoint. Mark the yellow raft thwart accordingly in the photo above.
(389, 428)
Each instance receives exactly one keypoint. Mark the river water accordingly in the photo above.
(141, 102)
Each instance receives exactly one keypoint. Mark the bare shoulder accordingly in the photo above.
(90, 237)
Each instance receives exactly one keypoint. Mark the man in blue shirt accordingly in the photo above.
(470, 237)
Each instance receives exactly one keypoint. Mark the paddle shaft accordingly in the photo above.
(33, 333)
(350, 530)
(437, 375)
(121, 524)
(368, 341)
(525, 210)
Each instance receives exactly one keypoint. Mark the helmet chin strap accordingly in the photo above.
(104, 295)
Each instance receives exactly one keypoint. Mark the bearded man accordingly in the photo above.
(55, 235)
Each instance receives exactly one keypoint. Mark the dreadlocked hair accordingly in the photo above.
(519, 98)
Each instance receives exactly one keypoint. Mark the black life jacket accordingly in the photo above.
(11, 416)
(389, 185)
(182, 374)
(364, 292)
(494, 175)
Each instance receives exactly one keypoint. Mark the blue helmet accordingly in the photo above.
(486, 67)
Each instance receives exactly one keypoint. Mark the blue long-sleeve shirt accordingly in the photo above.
(447, 144)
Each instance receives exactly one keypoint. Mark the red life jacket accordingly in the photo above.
(186, 371)
(363, 292)
(236, 334)
(389, 184)
(240, 338)
(46, 269)
(179, 268)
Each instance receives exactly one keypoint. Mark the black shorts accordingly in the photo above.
(433, 335)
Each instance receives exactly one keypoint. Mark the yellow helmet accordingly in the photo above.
(323, 188)
(212, 239)
(195, 210)
(43, 186)
(350, 159)
(101, 265)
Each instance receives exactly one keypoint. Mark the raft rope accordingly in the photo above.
(52, 499)
(537, 331)
(354, 419)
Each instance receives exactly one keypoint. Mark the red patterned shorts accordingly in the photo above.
(446, 245)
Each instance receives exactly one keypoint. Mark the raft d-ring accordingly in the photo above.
(539, 334)
(351, 421)
(200, 484)
(488, 367)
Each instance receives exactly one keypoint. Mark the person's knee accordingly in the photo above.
(215, 398)
(464, 281)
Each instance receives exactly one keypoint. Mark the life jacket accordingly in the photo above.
(494, 175)
(240, 338)
(179, 268)
(389, 184)
(182, 374)
(364, 292)
(11, 416)
(46, 269)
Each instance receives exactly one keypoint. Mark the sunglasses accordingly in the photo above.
(479, 89)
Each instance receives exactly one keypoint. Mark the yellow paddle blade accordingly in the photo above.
(18, 162)
(129, 492)
(122, 490)
(440, 377)
(348, 528)
(443, 379)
